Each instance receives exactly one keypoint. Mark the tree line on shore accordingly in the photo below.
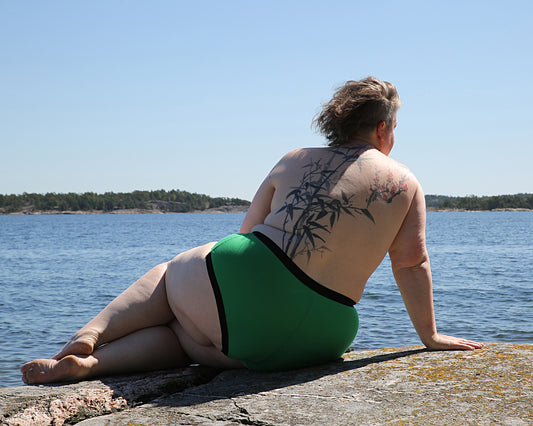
(472, 202)
(174, 201)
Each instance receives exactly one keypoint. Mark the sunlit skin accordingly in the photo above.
(168, 318)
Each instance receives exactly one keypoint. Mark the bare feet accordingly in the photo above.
(72, 362)
(81, 343)
(68, 368)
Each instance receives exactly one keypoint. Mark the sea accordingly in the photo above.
(58, 271)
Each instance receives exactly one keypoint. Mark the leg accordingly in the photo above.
(192, 300)
(208, 355)
(154, 348)
(131, 328)
(144, 304)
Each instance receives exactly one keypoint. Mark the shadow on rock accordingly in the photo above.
(235, 383)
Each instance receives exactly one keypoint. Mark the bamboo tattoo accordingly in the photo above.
(317, 211)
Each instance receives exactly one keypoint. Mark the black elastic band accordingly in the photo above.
(220, 304)
(301, 275)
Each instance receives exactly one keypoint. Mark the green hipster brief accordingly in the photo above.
(273, 316)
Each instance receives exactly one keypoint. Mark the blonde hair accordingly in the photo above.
(357, 108)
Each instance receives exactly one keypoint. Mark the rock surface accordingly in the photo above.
(411, 385)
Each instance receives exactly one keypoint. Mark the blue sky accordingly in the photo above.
(205, 96)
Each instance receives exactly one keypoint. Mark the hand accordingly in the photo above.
(443, 342)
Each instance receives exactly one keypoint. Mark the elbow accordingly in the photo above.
(250, 220)
(413, 267)
(413, 262)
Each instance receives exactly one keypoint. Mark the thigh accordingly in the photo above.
(206, 355)
(191, 297)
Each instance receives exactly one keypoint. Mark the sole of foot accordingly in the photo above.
(70, 367)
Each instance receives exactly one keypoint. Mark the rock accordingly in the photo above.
(399, 385)
(60, 404)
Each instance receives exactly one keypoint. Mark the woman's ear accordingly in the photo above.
(380, 129)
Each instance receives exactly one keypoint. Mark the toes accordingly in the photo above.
(25, 367)
(27, 371)
(24, 378)
(37, 371)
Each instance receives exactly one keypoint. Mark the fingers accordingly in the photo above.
(471, 344)
(443, 342)
(467, 344)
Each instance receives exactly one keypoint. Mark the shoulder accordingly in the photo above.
(387, 169)
(412, 189)
(299, 153)
(291, 158)
(403, 172)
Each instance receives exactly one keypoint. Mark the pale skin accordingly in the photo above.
(168, 318)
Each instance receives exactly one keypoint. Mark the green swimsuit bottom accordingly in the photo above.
(273, 316)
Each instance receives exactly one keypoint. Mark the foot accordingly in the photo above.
(66, 369)
(81, 343)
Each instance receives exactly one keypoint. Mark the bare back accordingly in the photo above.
(335, 211)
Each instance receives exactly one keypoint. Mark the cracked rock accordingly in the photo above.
(411, 385)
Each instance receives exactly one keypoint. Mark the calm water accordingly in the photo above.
(57, 272)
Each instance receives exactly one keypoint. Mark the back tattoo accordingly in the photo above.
(316, 210)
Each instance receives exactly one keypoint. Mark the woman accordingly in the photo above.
(318, 227)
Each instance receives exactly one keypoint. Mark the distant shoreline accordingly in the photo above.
(177, 201)
(222, 209)
(435, 209)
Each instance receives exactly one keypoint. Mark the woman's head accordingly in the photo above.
(356, 109)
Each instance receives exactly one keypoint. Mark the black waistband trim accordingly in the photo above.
(300, 274)
(220, 303)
